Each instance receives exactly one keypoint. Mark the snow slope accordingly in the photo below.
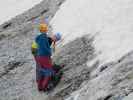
(12, 8)
(111, 21)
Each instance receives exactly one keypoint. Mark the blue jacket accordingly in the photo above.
(43, 45)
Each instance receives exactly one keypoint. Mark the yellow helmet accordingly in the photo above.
(43, 27)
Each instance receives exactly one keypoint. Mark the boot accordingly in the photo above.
(56, 78)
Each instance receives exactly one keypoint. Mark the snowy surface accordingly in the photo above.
(111, 21)
(11, 8)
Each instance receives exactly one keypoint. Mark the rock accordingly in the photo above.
(17, 74)
(81, 80)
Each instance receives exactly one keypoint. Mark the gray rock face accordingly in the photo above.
(17, 71)
(74, 56)
(17, 34)
(113, 81)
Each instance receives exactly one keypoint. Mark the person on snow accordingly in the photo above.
(42, 53)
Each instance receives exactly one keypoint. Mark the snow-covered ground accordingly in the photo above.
(111, 21)
(12, 8)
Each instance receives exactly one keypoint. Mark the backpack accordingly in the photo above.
(34, 47)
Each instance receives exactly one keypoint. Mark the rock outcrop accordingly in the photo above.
(82, 79)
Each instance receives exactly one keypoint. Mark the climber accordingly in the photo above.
(42, 53)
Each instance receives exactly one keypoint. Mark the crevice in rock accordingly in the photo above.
(103, 68)
(59, 3)
(108, 97)
(7, 25)
(44, 11)
(11, 65)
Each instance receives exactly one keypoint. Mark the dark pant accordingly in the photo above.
(44, 71)
(43, 77)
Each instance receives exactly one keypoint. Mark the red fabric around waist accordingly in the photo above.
(44, 62)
